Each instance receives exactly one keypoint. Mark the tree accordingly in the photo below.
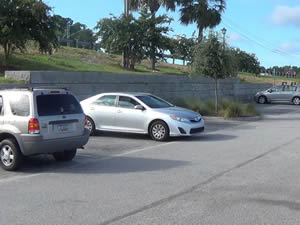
(155, 41)
(205, 13)
(246, 62)
(24, 20)
(213, 59)
(137, 35)
(152, 6)
(118, 33)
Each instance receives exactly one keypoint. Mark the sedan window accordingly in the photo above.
(154, 102)
(107, 100)
(127, 102)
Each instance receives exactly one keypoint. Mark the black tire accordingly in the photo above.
(91, 126)
(262, 100)
(65, 156)
(296, 101)
(11, 157)
(159, 131)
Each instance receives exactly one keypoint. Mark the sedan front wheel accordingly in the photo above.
(159, 131)
(296, 101)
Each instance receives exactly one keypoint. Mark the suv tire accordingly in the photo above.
(10, 156)
(65, 155)
(159, 131)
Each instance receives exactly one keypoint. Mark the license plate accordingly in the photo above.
(62, 128)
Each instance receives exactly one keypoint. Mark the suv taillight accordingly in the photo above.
(33, 126)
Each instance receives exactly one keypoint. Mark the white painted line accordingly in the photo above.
(19, 177)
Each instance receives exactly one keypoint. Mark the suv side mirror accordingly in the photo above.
(139, 107)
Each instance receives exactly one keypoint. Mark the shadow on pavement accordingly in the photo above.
(110, 165)
(206, 138)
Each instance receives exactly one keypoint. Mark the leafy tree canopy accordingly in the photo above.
(23, 20)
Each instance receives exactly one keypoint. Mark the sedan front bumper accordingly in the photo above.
(186, 128)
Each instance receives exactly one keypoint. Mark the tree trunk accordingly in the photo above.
(216, 96)
(200, 35)
(7, 52)
(173, 60)
(183, 63)
(153, 58)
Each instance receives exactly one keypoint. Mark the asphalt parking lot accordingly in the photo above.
(237, 172)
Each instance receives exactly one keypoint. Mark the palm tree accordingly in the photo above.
(153, 5)
(205, 13)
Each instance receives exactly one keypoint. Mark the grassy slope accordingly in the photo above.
(72, 59)
(251, 78)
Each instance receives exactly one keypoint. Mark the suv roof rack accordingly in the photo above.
(47, 87)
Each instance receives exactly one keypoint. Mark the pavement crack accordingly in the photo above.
(197, 186)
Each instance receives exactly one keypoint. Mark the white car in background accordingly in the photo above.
(140, 113)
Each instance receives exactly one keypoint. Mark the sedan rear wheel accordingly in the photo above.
(159, 131)
(296, 101)
(262, 100)
(90, 125)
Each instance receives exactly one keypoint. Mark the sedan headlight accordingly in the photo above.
(180, 119)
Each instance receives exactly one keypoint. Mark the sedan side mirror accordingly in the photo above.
(139, 107)
(270, 91)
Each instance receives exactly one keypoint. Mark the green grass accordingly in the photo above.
(252, 78)
(74, 59)
(227, 108)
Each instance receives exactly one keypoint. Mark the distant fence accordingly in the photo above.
(75, 43)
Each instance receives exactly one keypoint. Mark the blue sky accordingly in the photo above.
(268, 28)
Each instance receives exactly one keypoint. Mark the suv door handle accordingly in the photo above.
(119, 111)
(92, 108)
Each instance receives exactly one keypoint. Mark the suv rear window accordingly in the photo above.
(49, 105)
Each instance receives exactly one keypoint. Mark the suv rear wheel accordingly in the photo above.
(10, 155)
(65, 155)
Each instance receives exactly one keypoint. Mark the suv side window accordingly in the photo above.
(290, 88)
(127, 102)
(20, 105)
(107, 100)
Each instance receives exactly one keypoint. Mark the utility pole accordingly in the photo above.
(68, 34)
(224, 36)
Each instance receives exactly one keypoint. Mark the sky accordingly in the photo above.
(268, 28)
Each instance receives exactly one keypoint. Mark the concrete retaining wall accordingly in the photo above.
(171, 87)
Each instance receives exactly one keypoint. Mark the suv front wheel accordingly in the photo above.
(65, 155)
(10, 156)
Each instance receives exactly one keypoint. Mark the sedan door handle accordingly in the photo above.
(92, 108)
(119, 111)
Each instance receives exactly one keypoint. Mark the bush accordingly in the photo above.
(227, 108)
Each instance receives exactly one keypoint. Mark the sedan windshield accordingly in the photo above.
(154, 102)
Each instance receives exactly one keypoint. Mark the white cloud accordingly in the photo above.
(288, 47)
(285, 15)
(234, 37)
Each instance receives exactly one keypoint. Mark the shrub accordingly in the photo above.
(227, 108)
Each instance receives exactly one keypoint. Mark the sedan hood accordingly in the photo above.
(179, 112)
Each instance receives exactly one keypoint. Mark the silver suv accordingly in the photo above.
(282, 93)
(39, 121)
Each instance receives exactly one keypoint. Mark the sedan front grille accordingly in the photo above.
(197, 130)
(195, 121)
